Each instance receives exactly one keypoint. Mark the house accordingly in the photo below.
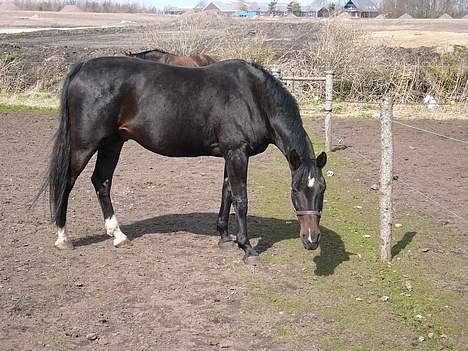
(319, 8)
(361, 8)
(222, 8)
(258, 8)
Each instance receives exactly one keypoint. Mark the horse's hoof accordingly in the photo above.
(122, 242)
(64, 245)
(252, 260)
(226, 244)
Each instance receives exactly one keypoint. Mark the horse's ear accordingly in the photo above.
(294, 159)
(322, 160)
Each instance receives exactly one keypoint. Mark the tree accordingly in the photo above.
(272, 6)
(294, 7)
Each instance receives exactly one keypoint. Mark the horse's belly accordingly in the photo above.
(175, 146)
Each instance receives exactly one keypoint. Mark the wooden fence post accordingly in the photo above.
(328, 109)
(276, 72)
(386, 169)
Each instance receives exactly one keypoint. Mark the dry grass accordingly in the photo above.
(32, 98)
(11, 73)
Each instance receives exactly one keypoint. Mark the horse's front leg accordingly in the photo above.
(222, 223)
(236, 166)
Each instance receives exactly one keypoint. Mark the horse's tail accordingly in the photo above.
(57, 175)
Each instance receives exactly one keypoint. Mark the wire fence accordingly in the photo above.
(438, 204)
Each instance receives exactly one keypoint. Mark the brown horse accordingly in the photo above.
(162, 56)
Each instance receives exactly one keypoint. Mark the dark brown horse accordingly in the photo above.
(230, 109)
(162, 56)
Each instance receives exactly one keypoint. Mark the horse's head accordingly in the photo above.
(307, 192)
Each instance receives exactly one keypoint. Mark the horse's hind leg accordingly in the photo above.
(78, 161)
(222, 223)
(107, 158)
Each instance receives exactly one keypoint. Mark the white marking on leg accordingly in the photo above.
(62, 241)
(111, 225)
(311, 182)
(113, 229)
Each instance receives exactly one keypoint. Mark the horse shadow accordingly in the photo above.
(269, 231)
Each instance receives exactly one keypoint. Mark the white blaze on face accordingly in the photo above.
(311, 182)
(310, 237)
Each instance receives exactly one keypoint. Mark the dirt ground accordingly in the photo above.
(173, 288)
(431, 171)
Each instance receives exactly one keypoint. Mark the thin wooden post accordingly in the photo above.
(328, 109)
(276, 72)
(386, 177)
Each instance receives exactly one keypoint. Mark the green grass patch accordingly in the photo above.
(32, 101)
(25, 108)
(343, 283)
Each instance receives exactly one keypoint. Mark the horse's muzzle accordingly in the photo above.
(310, 232)
(311, 243)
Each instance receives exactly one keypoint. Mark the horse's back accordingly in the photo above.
(174, 111)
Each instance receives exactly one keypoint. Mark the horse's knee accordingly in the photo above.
(102, 187)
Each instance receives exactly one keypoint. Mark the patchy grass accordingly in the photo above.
(356, 110)
(334, 295)
(29, 102)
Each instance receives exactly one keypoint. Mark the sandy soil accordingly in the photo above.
(172, 289)
(391, 32)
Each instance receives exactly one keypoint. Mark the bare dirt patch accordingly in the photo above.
(172, 289)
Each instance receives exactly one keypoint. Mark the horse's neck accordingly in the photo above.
(287, 140)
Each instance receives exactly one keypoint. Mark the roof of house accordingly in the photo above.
(224, 6)
(366, 5)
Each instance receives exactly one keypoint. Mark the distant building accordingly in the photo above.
(361, 8)
(318, 8)
(222, 8)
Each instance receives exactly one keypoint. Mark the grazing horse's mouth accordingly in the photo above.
(310, 244)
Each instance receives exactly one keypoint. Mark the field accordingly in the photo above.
(173, 288)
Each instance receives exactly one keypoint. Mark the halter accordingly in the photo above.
(308, 212)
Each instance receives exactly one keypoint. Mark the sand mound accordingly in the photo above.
(188, 13)
(405, 16)
(9, 6)
(344, 15)
(446, 16)
(71, 8)
(381, 16)
(291, 15)
(465, 17)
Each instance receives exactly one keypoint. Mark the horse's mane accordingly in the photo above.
(149, 51)
(275, 93)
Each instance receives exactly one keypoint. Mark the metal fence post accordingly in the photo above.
(328, 109)
(386, 177)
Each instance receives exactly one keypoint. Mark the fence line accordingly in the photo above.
(404, 183)
(428, 198)
(328, 79)
(434, 133)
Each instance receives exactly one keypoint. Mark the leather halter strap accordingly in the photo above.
(308, 212)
